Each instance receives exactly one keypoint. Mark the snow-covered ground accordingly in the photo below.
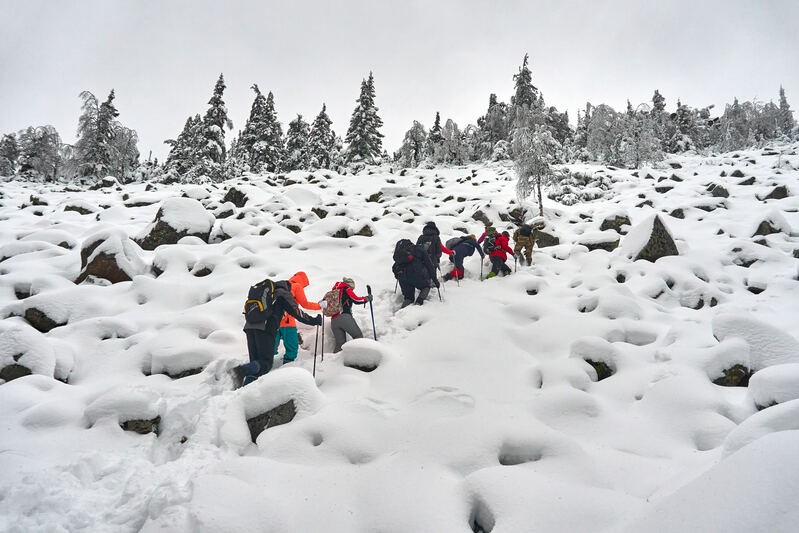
(482, 413)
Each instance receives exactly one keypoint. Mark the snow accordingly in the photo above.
(478, 410)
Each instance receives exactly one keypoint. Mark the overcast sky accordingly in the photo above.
(163, 57)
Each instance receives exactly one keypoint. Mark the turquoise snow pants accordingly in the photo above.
(291, 342)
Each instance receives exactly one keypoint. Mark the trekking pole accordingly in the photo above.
(515, 259)
(371, 310)
(315, 344)
(481, 269)
(395, 286)
(323, 338)
(439, 295)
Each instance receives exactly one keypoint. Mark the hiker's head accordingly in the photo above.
(505, 234)
(471, 236)
(349, 282)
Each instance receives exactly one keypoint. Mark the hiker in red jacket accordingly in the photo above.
(343, 323)
(498, 251)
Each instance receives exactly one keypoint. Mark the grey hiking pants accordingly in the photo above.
(342, 325)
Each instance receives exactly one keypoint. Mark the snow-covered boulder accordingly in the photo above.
(110, 255)
(768, 345)
(775, 384)
(363, 354)
(177, 218)
(650, 240)
(775, 222)
(134, 408)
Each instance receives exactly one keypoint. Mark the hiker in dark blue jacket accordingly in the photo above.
(462, 247)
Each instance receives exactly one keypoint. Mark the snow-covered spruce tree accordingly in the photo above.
(414, 145)
(321, 141)
(236, 161)
(558, 124)
(97, 129)
(9, 154)
(684, 129)
(185, 154)
(639, 143)
(40, 153)
(364, 141)
(534, 150)
(525, 100)
(786, 122)
(434, 137)
(124, 153)
(214, 151)
(262, 138)
(604, 135)
(734, 128)
(297, 157)
(493, 128)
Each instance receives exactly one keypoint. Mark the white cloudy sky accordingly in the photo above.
(447, 55)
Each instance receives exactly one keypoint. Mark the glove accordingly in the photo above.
(368, 298)
(323, 304)
(318, 320)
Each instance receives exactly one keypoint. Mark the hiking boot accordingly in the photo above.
(287, 361)
(406, 303)
(238, 376)
(491, 275)
(447, 277)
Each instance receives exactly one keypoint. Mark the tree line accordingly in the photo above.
(525, 130)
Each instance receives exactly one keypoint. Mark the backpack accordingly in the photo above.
(260, 301)
(454, 241)
(333, 299)
(403, 252)
(525, 231)
(431, 244)
(490, 242)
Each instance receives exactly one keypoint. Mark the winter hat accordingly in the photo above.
(348, 281)
(505, 234)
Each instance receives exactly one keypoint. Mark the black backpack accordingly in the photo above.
(525, 230)
(454, 241)
(490, 242)
(431, 244)
(403, 251)
(260, 301)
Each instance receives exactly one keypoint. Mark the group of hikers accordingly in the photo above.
(273, 307)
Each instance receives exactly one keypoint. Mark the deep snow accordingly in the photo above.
(482, 413)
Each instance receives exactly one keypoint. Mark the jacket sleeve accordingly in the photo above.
(303, 302)
(446, 250)
(355, 298)
(516, 235)
(483, 236)
(428, 263)
(290, 306)
(506, 248)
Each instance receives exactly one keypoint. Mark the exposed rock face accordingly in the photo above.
(660, 244)
(766, 228)
(778, 193)
(104, 266)
(545, 239)
(236, 197)
(110, 256)
(615, 223)
(603, 371)
(481, 217)
(604, 245)
(735, 376)
(718, 191)
(14, 371)
(282, 414)
(142, 427)
(39, 320)
(678, 213)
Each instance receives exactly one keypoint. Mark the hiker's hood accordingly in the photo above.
(430, 229)
(300, 278)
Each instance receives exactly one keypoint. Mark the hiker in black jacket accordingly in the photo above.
(430, 240)
(261, 333)
(462, 247)
(413, 270)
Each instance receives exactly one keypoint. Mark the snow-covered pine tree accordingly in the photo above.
(185, 154)
(9, 154)
(40, 153)
(414, 146)
(363, 138)
(297, 157)
(493, 127)
(605, 135)
(262, 138)
(786, 121)
(96, 132)
(434, 138)
(534, 150)
(321, 141)
(734, 128)
(214, 151)
(526, 101)
(684, 129)
(639, 143)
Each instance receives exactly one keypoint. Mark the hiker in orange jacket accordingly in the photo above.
(288, 326)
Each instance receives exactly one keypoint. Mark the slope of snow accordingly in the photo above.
(485, 410)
